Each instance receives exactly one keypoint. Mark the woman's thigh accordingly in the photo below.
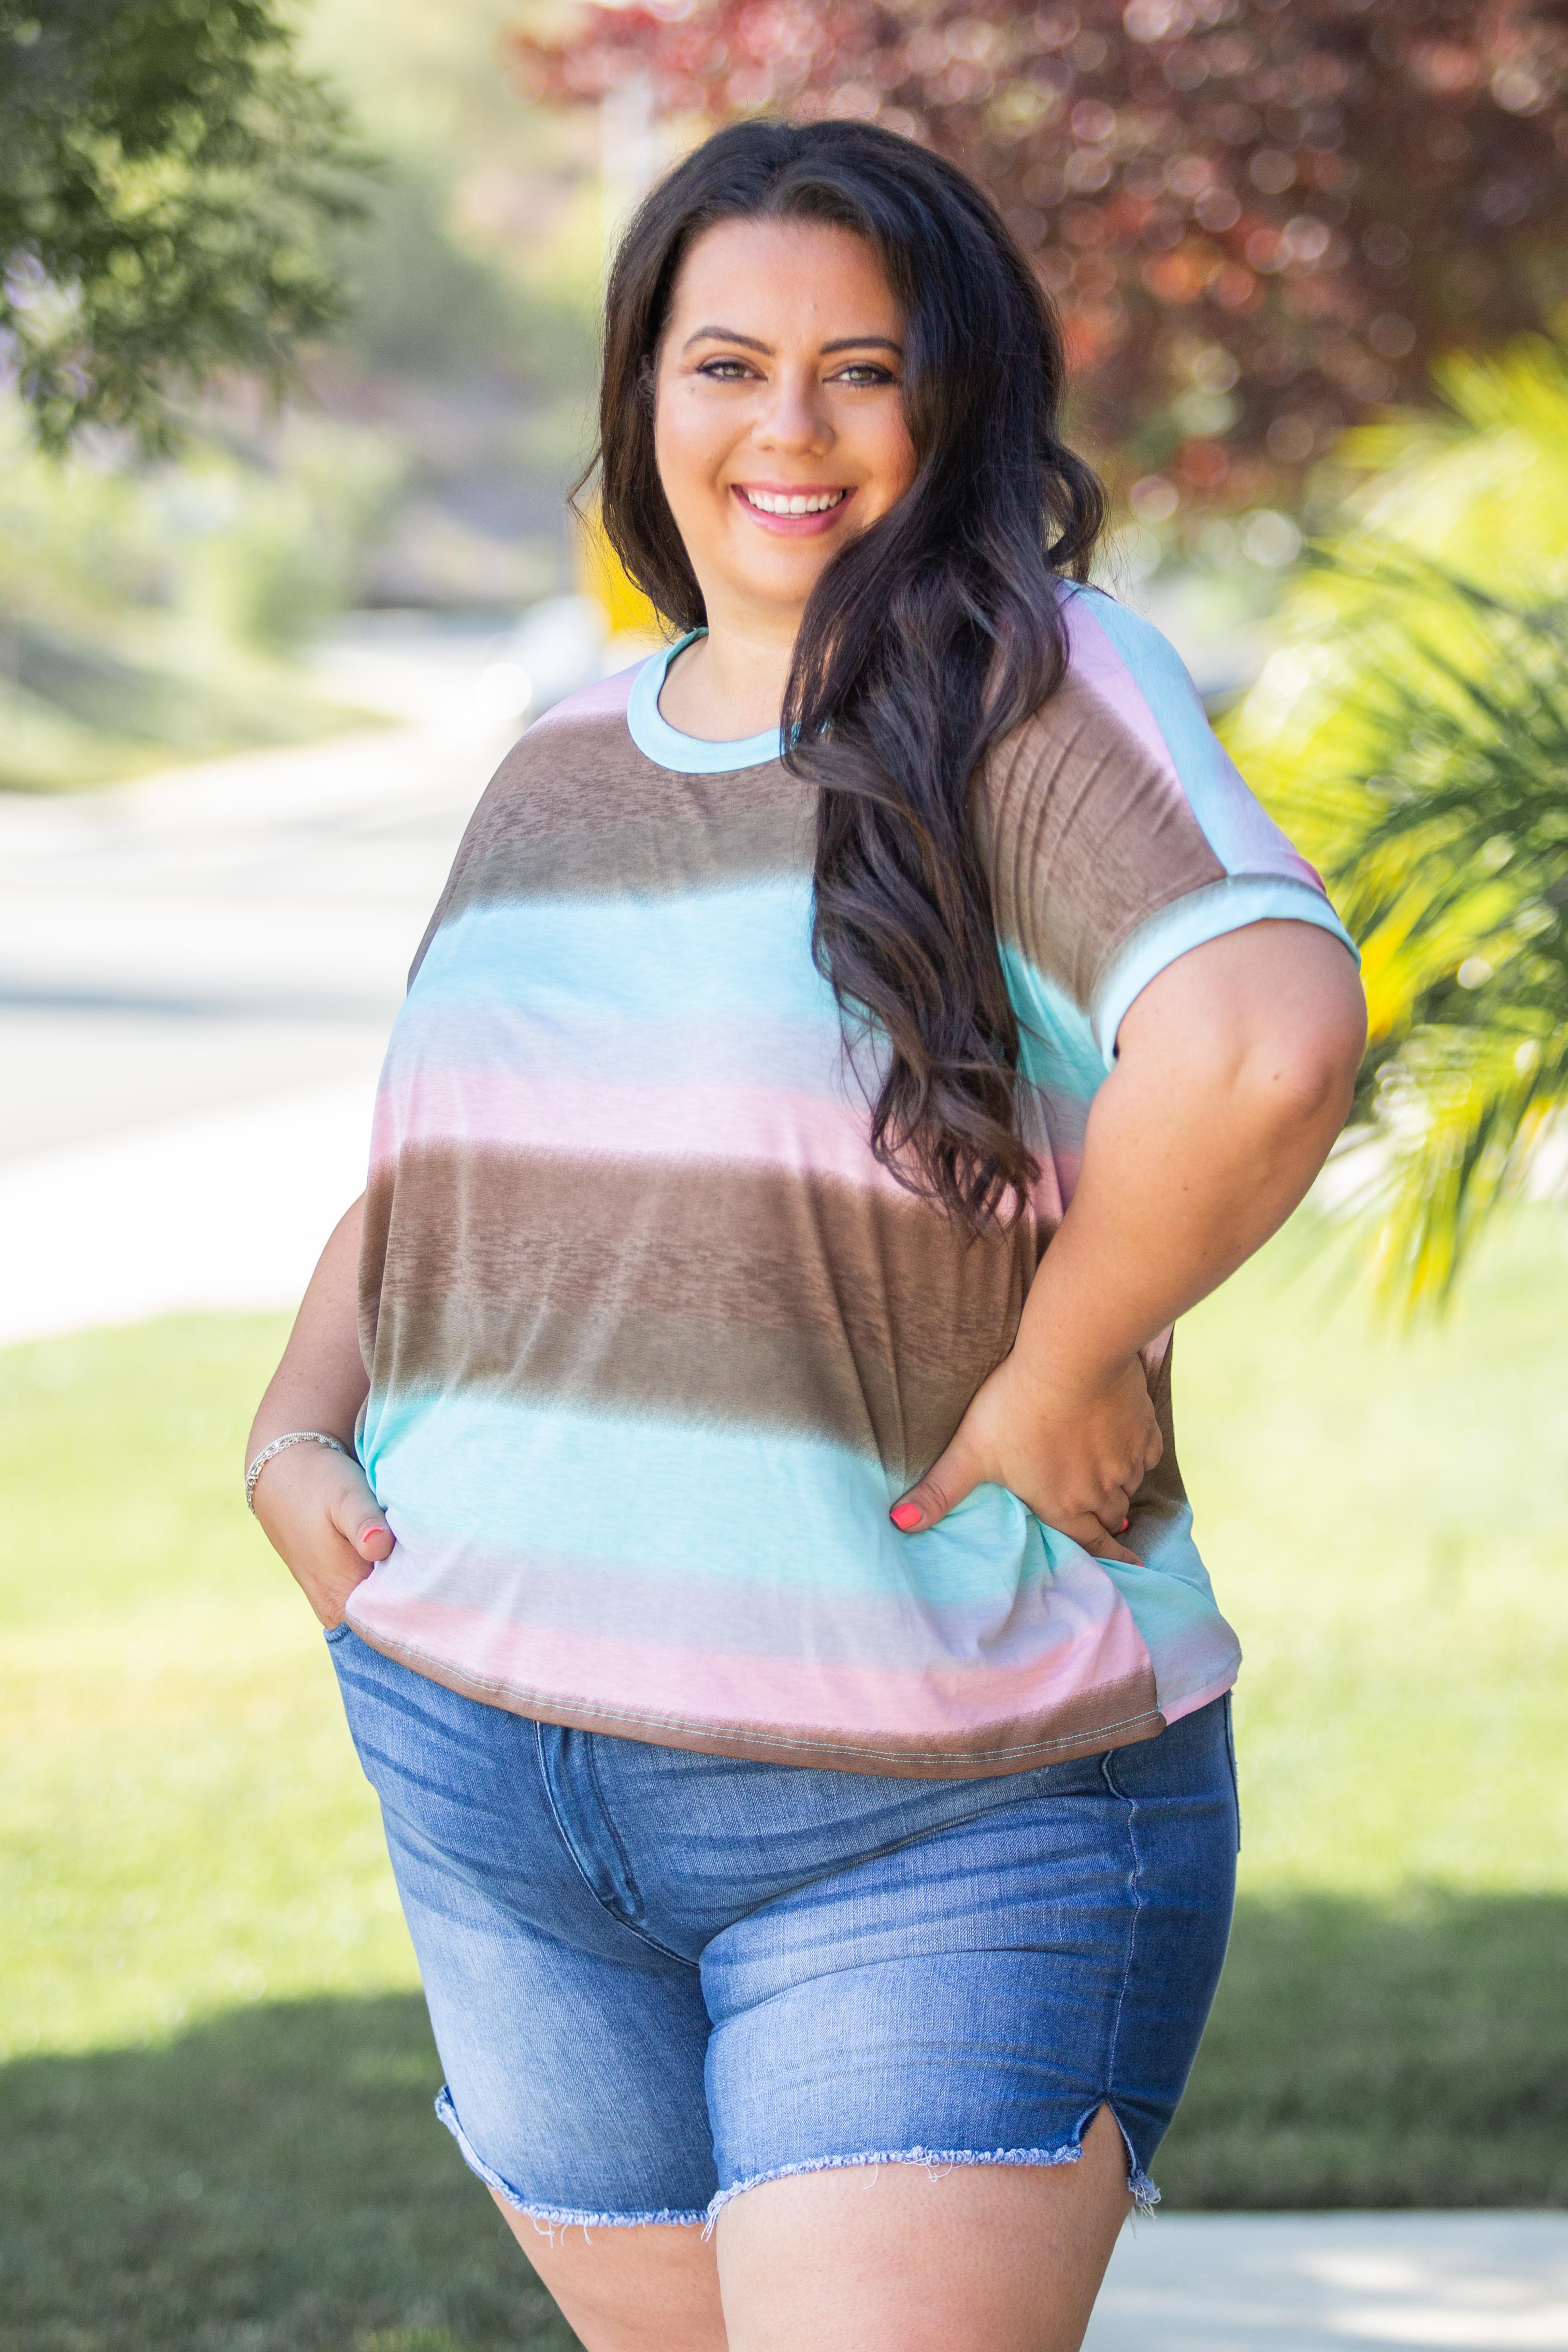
(890, 2258)
(904, 2258)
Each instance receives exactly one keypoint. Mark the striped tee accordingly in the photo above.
(653, 1342)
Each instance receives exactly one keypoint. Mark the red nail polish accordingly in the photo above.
(1124, 1526)
(906, 1516)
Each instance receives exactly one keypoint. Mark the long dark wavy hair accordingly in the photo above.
(927, 637)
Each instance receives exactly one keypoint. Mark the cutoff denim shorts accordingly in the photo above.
(658, 1978)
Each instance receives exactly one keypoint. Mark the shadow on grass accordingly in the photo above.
(274, 2180)
(1381, 2055)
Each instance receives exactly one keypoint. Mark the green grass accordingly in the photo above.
(90, 707)
(214, 2119)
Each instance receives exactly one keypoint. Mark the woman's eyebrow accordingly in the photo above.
(752, 343)
(725, 335)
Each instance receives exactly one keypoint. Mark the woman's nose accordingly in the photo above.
(795, 419)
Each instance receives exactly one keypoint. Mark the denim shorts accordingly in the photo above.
(658, 1978)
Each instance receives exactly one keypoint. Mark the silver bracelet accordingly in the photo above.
(280, 1445)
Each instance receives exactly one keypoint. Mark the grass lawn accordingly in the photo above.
(215, 2129)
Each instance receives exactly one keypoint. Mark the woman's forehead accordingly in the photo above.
(767, 277)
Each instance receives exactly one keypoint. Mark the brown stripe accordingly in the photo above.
(741, 1296)
(1114, 1714)
(1162, 1494)
(1086, 836)
(593, 818)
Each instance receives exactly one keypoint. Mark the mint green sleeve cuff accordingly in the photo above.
(1190, 922)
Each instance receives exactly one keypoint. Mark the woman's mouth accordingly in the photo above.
(796, 513)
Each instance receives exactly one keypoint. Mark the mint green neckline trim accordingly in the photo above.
(688, 755)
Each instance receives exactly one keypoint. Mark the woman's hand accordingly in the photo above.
(319, 1514)
(1075, 1454)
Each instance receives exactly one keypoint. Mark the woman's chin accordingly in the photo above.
(778, 571)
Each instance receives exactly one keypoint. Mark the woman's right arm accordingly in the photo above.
(316, 1506)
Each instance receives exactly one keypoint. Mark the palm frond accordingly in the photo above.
(1412, 729)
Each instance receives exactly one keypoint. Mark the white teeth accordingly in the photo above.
(795, 502)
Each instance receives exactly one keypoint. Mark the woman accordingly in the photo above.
(768, 1610)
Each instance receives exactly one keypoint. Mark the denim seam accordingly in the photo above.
(1140, 2187)
(563, 2217)
(624, 1859)
(628, 1926)
(1234, 1775)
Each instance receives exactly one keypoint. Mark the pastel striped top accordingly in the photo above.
(653, 1342)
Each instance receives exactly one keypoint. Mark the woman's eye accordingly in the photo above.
(863, 372)
(724, 370)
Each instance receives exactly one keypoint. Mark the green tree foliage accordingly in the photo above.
(168, 178)
(1412, 728)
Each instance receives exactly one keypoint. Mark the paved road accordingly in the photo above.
(196, 978)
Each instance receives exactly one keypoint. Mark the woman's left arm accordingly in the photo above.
(1234, 1075)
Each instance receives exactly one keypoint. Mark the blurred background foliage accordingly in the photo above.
(1411, 726)
(1259, 220)
(167, 176)
(211, 477)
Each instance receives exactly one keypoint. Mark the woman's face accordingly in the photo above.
(778, 422)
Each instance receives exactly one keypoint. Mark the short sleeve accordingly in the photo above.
(1121, 834)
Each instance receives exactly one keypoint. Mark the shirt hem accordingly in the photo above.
(751, 1744)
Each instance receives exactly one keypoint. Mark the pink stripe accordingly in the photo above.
(488, 1109)
(1254, 842)
(602, 700)
(730, 1125)
(1094, 660)
(1096, 1641)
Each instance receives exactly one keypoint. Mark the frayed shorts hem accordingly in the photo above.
(557, 2217)
(1140, 2187)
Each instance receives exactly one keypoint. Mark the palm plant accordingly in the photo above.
(1411, 729)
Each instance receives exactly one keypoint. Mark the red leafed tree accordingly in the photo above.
(1260, 218)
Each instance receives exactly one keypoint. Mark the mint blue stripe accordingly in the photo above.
(1172, 1604)
(714, 954)
(584, 1041)
(687, 754)
(1190, 922)
(1057, 1047)
(1241, 834)
(659, 1495)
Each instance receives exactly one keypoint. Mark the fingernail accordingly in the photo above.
(1124, 1526)
(906, 1516)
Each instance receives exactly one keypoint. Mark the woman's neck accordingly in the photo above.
(730, 684)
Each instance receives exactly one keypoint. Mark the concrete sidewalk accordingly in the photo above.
(1337, 2283)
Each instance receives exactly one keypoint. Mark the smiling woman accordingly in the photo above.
(778, 435)
(765, 1597)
